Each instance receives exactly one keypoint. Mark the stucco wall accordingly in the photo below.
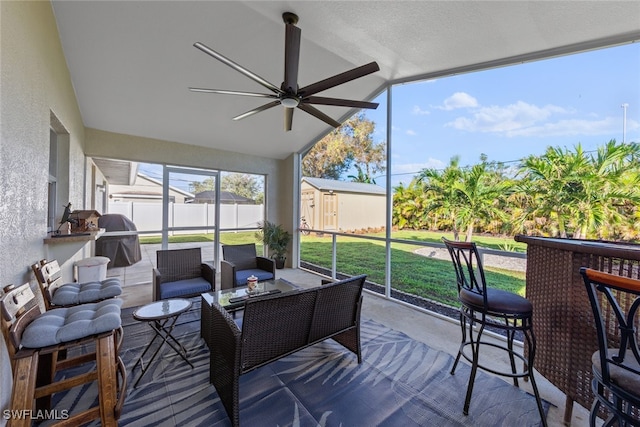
(34, 83)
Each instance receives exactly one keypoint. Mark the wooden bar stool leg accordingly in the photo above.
(107, 382)
(46, 373)
(24, 385)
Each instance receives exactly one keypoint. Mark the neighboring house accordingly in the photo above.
(327, 204)
(226, 197)
(146, 189)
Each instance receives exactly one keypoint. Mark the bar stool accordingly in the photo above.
(483, 307)
(615, 301)
(34, 340)
(59, 294)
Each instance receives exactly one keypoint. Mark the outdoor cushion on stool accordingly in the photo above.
(80, 293)
(39, 345)
(68, 324)
(59, 294)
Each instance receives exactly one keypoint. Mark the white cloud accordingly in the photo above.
(606, 126)
(419, 111)
(509, 119)
(459, 100)
(411, 132)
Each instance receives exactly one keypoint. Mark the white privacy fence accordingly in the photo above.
(148, 216)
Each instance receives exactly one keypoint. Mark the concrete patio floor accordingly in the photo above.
(437, 331)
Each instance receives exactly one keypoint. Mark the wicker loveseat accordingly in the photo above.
(279, 325)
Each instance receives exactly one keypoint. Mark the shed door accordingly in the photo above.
(330, 211)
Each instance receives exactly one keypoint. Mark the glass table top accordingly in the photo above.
(228, 298)
(162, 309)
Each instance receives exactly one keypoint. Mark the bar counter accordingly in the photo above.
(562, 318)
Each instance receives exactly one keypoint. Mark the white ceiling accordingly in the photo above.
(132, 62)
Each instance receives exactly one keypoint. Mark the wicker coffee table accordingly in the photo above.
(233, 299)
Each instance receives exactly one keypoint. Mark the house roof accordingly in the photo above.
(324, 184)
(225, 197)
(131, 63)
(159, 184)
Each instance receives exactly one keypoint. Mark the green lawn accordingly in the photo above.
(415, 274)
(501, 243)
(225, 238)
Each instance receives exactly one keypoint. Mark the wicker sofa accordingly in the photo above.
(279, 325)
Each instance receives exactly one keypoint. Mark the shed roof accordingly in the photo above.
(324, 184)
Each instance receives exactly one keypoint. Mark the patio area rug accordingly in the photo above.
(401, 382)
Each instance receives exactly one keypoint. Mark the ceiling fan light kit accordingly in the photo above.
(288, 94)
(290, 102)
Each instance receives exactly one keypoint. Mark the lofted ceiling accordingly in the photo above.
(131, 62)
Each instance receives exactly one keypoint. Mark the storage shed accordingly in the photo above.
(327, 204)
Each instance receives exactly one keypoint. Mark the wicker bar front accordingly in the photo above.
(562, 319)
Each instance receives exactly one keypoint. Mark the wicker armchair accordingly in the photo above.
(240, 262)
(181, 273)
(303, 318)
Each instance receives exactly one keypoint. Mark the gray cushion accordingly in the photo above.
(80, 293)
(185, 287)
(71, 323)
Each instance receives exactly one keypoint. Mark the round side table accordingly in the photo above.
(161, 316)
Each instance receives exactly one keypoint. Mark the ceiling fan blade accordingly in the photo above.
(257, 110)
(232, 92)
(288, 118)
(339, 79)
(318, 114)
(253, 76)
(291, 58)
(339, 102)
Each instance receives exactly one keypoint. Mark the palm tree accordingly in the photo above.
(362, 176)
(442, 197)
(608, 185)
(480, 193)
(580, 192)
(552, 181)
(466, 197)
(409, 207)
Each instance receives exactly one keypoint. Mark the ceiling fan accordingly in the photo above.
(289, 95)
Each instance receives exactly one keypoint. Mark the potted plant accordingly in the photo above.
(277, 239)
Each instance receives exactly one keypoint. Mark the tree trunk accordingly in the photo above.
(469, 232)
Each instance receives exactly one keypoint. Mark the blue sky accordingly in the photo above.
(511, 112)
